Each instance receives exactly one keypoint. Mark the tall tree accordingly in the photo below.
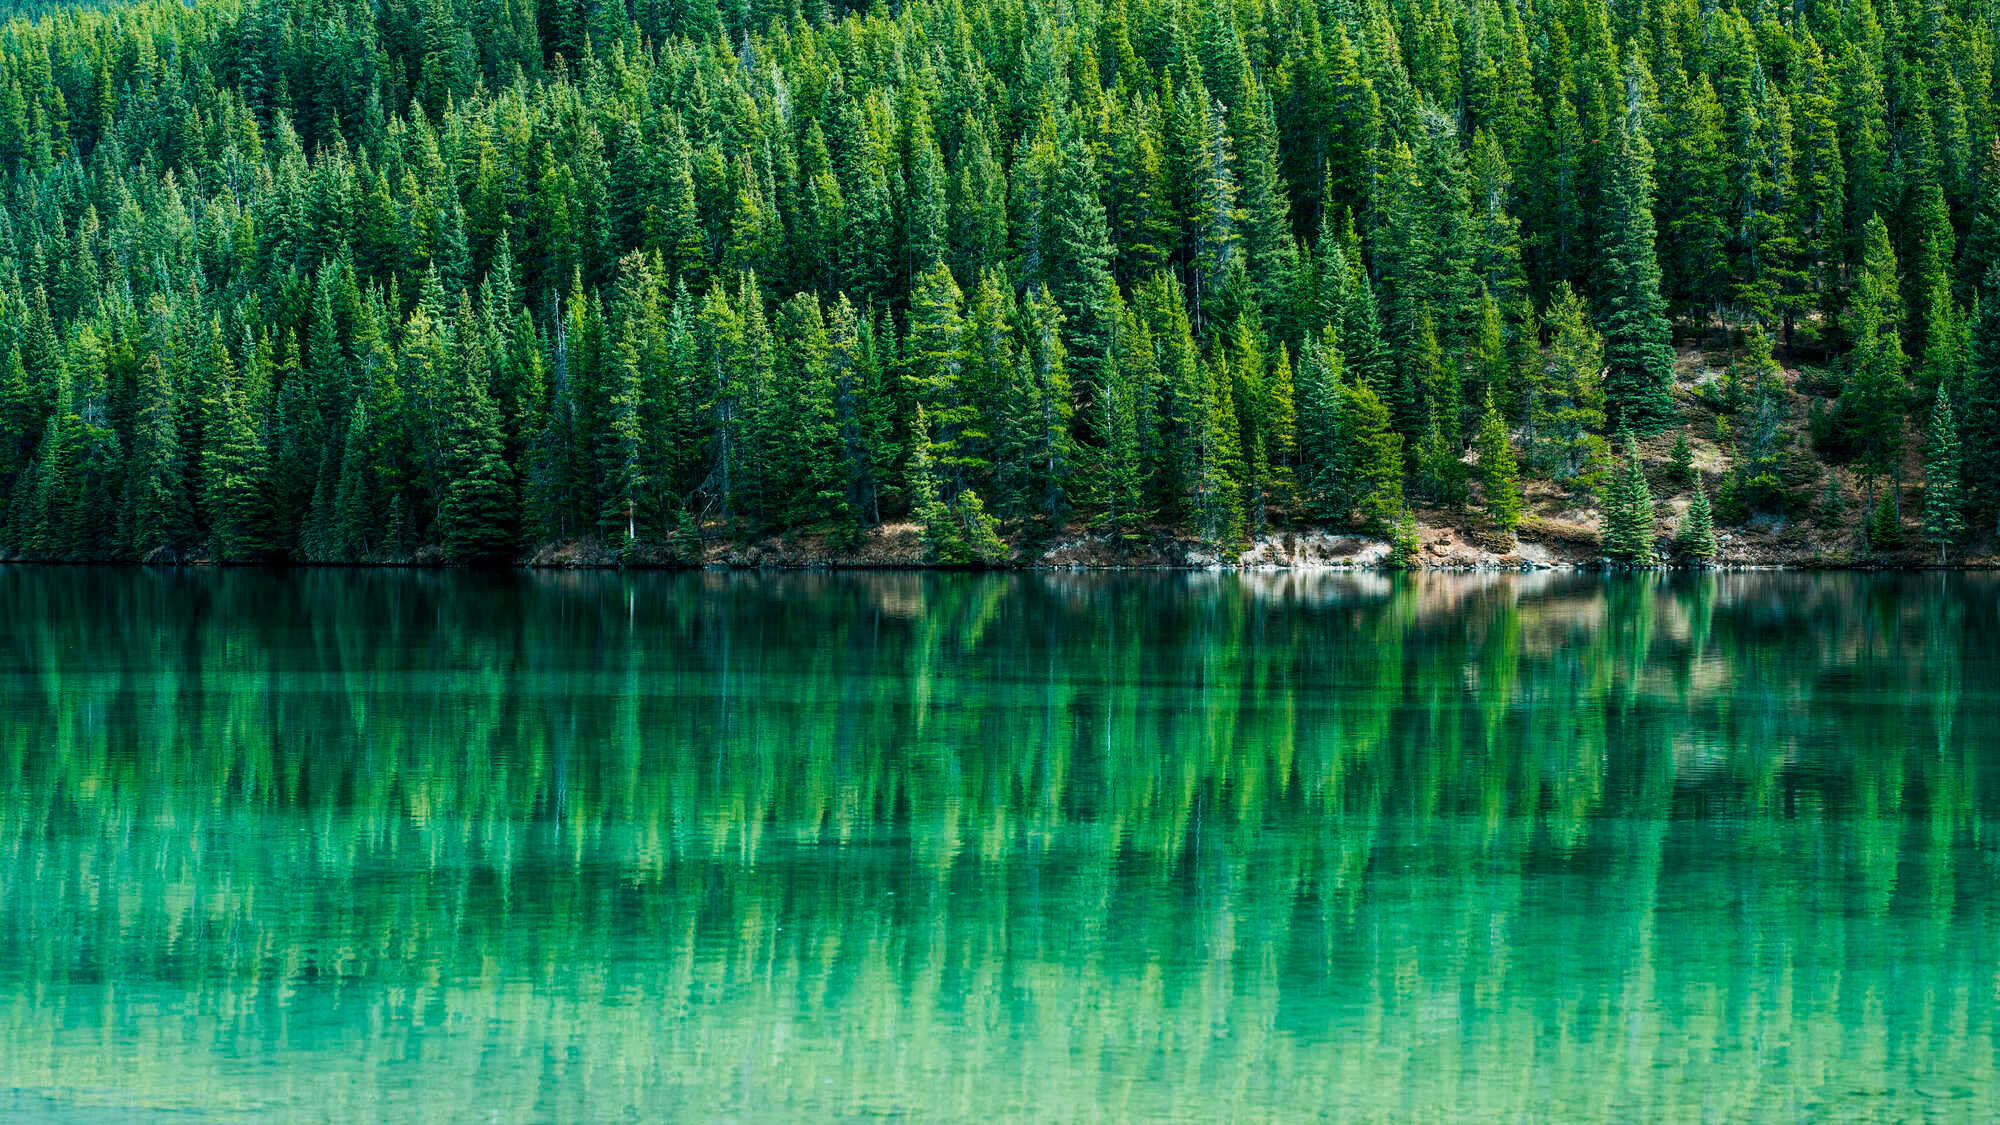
(1944, 507)
(1638, 345)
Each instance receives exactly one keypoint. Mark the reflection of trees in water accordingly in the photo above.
(890, 831)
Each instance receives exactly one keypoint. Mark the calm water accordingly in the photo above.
(393, 846)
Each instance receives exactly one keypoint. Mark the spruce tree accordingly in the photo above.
(1566, 397)
(235, 475)
(1870, 413)
(1885, 525)
(1638, 344)
(1440, 472)
(480, 517)
(1696, 538)
(1978, 413)
(1944, 505)
(1375, 452)
(1628, 509)
(158, 512)
(1499, 474)
(1680, 460)
(1327, 481)
(353, 534)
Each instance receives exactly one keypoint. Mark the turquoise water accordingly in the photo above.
(393, 846)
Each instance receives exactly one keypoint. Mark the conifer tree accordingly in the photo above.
(1871, 405)
(1326, 477)
(1441, 473)
(1129, 381)
(235, 472)
(1217, 500)
(1680, 460)
(936, 356)
(50, 524)
(479, 518)
(1499, 474)
(352, 521)
(158, 512)
(1375, 451)
(1978, 413)
(1696, 538)
(1638, 348)
(1566, 397)
(1944, 506)
(1628, 510)
(1047, 408)
(1885, 526)
(860, 416)
(356, 241)
(809, 462)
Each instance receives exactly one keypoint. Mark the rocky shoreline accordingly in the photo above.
(1543, 545)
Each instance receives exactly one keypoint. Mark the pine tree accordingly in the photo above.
(1944, 506)
(1680, 460)
(353, 521)
(1499, 474)
(860, 415)
(1978, 413)
(943, 539)
(158, 512)
(19, 420)
(936, 356)
(50, 525)
(1046, 408)
(1129, 383)
(622, 453)
(479, 519)
(956, 535)
(1440, 472)
(1628, 510)
(1566, 397)
(1327, 481)
(1638, 345)
(235, 472)
(1870, 414)
(809, 460)
(1696, 538)
(1982, 239)
(1885, 526)
(307, 224)
(1376, 453)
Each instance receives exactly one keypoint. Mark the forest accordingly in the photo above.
(466, 281)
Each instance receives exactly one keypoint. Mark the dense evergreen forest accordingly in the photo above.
(326, 280)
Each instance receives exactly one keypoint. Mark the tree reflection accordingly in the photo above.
(1041, 845)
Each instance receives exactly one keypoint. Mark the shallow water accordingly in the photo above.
(588, 847)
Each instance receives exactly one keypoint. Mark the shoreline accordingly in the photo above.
(1547, 546)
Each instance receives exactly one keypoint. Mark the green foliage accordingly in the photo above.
(1441, 474)
(1499, 475)
(1628, 510)
(1885, 524)
(1944, 503)
(1566, 397)
(1638, 344)
(1978, 415)
(1680, 459)
(480, 517)
(1374, 454)
(1696, 537)
(1139, 265)
(1869, 422)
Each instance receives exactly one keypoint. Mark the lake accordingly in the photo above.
(386, 846)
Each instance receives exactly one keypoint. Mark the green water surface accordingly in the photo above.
(389, 846)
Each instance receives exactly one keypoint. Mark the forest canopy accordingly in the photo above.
(325, 280)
